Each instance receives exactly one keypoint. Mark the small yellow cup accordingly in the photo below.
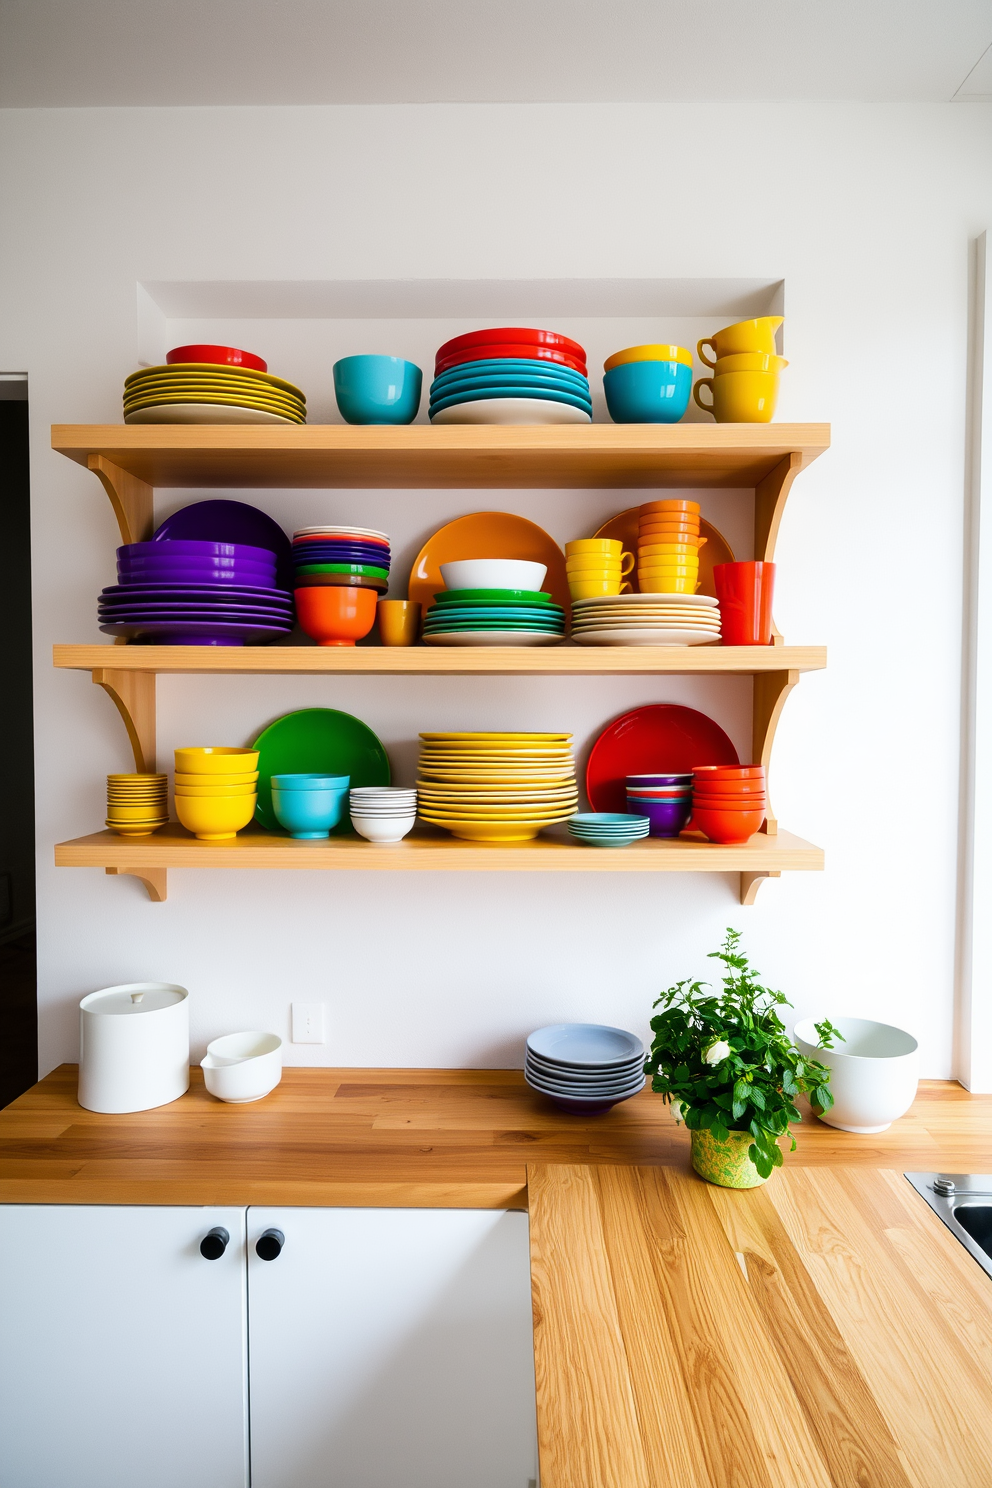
(609, 547)
(668, 551)
(740, 397)
(595, 588)
(582, 562)
(750, 361)
(743, 335)
(399, 621)
(664, 584)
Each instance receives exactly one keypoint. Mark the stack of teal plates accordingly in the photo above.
(494, 617)
(608, 828)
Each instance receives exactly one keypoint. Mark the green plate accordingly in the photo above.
(317, 741)
(366, 570)
(549, 628)
(492, 596)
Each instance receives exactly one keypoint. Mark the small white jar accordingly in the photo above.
(874, 1073)
(133, 1047)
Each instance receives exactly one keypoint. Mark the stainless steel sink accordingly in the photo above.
(964, 1202)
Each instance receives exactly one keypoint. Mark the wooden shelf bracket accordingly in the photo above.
(154, 880)
(770, 692)
(131, 498)
(751, 882)
(134, 696)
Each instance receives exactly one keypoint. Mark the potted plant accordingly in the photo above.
(724, 1062)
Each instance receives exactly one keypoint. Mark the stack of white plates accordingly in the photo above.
(646, 620)
(584, 1067)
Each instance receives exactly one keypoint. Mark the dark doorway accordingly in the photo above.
(18, 980)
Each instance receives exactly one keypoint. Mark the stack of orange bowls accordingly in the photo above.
(729, 802)
(668, 544)
(216, 790)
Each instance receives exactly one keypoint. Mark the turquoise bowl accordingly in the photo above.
(308, 813)
(377, 389)
(648, 392)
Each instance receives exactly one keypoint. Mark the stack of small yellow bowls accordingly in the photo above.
(137, 805)
(496, 787)
(668, 544)
(744, 387)
(597, 566)
(216, 791)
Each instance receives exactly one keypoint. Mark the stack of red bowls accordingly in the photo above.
(510, 375)
(729, 802)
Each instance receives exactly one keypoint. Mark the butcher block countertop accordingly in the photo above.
(822, 1331)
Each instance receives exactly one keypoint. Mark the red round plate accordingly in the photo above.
(512, 336)
(529, 353)
(223, 356)
(663, 738)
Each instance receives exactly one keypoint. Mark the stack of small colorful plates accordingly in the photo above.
(208, 393)
(496, 787)
(646, 620)
(342, 556)
(137, 805)
(510, 375)
(584, 1067)
(608, 828)
(494, 617)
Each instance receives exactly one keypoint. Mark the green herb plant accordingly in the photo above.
(725, 1063)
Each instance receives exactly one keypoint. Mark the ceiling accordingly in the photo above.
(92, 53)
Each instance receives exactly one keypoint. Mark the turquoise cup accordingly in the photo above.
(309, 805)
(648, 392)
(377, 389)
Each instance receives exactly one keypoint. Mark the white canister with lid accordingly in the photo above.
(133, 1047)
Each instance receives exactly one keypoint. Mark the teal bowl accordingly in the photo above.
(308, 813)
(648, 392)
(377, 389)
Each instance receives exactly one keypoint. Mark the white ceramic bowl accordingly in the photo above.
(873, 1073)
(383, 828)
(242, 1066)
(493, 573)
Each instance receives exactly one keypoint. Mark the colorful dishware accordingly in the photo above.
(309, 805)
(740, 397)
(377, 389)
(659, 737)
(742, 336)
(229, 356)
(320, 741)
(399, 622)
(745, 592)
(335, 615)
(487, 535)
(643, 392)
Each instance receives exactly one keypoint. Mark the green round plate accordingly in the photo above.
(492, 596)
(320, 741)
(365, 570)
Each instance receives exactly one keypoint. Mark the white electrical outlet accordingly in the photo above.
(308, 1022)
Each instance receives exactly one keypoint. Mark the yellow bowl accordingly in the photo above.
(137, 813)
(216, 760)
(202, 777)
(648, 354)
(215, 792)
(609, 547)
(137, 829)
(215, 820)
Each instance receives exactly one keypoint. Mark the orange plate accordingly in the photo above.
(717, 550)
(491, 535)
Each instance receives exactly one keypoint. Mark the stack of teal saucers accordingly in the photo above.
(494, 617)
(608, 828)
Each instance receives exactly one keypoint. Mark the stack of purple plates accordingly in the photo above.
(196, 593)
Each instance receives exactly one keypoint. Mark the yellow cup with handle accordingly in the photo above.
(739, 397)
(743, 335)
(596, 588)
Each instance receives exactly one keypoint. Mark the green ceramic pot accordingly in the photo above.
(725, 1163)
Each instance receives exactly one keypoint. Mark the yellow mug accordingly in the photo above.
(596, 588)
(580, 575)
(648, 354)
(666, 585)
(743, 335)
(750, 361)
(740, 397)
(620, 562)
(609, 547)
(654, 571)
(399, 621)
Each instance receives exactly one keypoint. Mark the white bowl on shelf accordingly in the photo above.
(383, 828)
(242, 1067)
(874, 1073)
(493, 573)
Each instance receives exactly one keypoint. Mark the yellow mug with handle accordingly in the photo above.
(743, 335)
(582, 561)
(750, 361)
(740, 397)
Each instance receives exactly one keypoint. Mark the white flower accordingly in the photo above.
(677, 1110)
(716, 1052)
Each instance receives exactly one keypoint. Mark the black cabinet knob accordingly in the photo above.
(214, 1244)
(269, 1244)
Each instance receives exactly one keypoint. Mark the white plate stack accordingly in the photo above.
(584, 1068)
(646, 620)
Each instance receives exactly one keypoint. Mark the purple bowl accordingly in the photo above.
(683, 777)
(259, 578)
(190, 549)
(667, 818)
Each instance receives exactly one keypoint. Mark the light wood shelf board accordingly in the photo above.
(564, 660)
(414, 457)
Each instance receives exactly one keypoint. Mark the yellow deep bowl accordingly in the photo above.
(202, 778)
(648, 354)
(215, 792)
(216, 760)
(216, 819)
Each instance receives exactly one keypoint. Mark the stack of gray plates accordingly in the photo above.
(584, 1067)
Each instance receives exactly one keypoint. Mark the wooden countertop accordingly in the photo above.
(444, 1138)
(824, 1331)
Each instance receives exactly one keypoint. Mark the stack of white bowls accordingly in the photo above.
(584, 1067)
(382, 813)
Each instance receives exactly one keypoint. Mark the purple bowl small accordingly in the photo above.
(673, 778)
(667, 818)
(188, 548)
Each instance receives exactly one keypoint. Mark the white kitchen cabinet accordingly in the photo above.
(122, 1349)
(391, 1348)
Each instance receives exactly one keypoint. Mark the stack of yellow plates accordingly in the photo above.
(496, 787)
(208, 393)
(137, 805)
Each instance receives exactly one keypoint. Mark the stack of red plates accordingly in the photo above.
(510, 375)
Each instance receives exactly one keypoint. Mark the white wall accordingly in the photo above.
(864, 211)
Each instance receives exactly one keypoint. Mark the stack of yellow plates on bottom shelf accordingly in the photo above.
(496, 787)
(137, 805)
(210, 393)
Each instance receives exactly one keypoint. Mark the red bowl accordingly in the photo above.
(719, 774)
(721, 803)
(528, 353)
(336, 615)
(733, 790)
(727, 827)
(223, 356)
(511, 336)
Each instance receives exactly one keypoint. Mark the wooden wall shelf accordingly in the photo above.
(173, 847)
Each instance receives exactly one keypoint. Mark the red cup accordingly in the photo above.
(745, 592)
